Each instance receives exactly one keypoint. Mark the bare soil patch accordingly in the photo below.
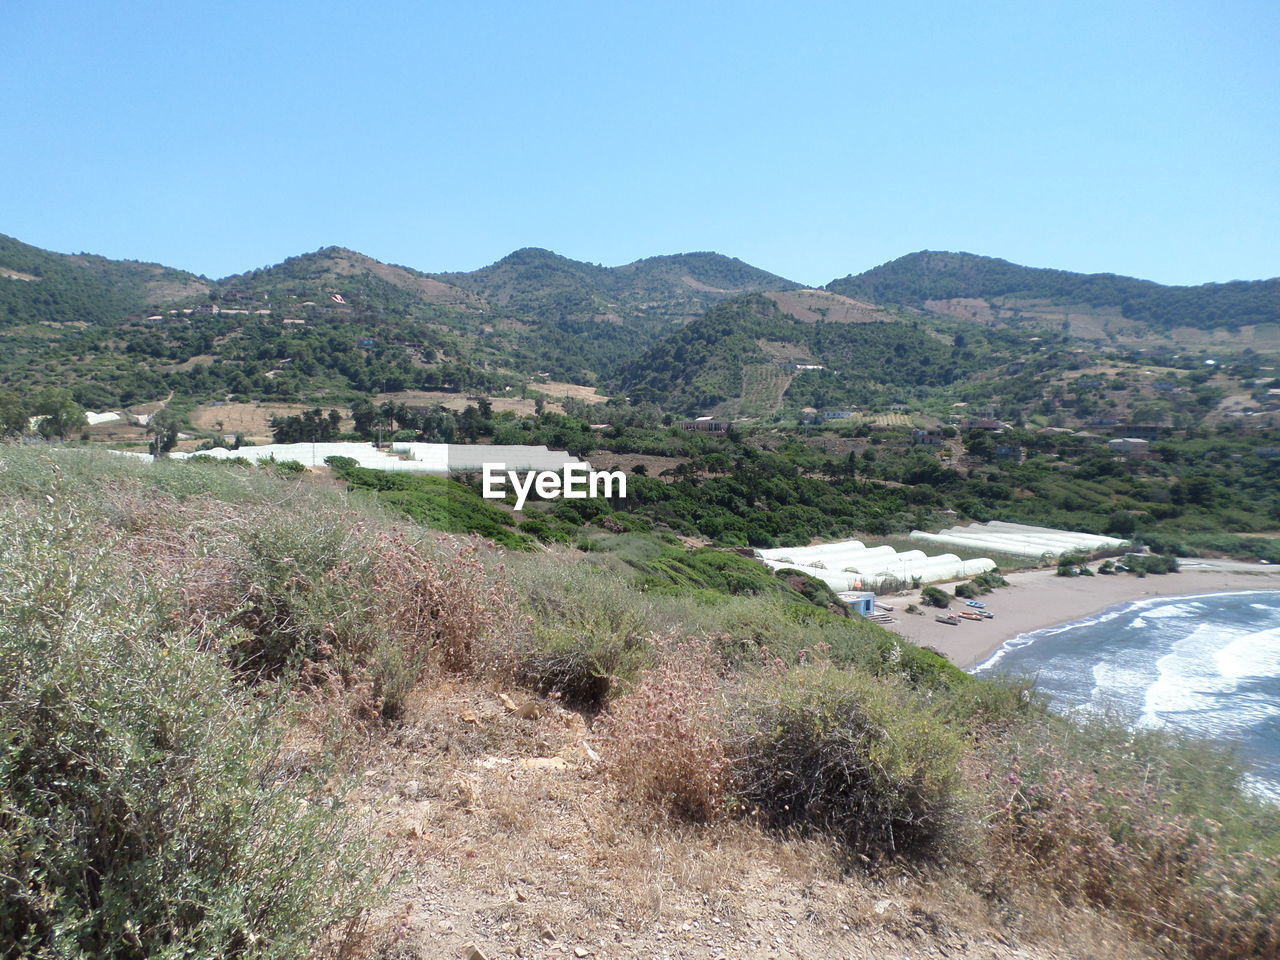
(556, 388)
(516, 843)
(810, 306)
(252, 420)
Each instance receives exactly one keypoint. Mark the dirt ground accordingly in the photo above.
(627, 462)
(459, 401)
(514, 843)
(556, 388)
(252, 420)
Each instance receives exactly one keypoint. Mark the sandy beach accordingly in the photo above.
(1040, 598)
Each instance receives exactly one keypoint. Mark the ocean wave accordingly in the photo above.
(1254, 655)
(1187, 676)
(1119, 684)
(1111, 613)
(1263, 787)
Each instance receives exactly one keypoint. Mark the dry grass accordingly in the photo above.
(517, 839)
(251, 420)
(666, 741)
(530, 829)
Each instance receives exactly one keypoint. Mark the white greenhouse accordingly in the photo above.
(1019, 539)
(851, 565)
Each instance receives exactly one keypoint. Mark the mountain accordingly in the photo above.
(1094, 306)
(38, 286)
(656, 290)
(348, 273)
(336, 322)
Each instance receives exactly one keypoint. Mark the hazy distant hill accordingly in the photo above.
(990, 290)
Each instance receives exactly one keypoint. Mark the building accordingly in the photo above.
(1130, 431)
(861, 602)
(930, 438)
(705, 425)
(1009, 451)
(1133, 447)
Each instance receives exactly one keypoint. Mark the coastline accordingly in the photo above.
(1036, 599)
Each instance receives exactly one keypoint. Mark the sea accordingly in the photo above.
(1208, 665)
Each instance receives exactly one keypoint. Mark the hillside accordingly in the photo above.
(1096, 306)
(350, 274)
(749, 355)
(336, 323)
(666, 289)
(38, 286)
(316, 730)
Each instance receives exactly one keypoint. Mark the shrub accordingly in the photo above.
(362, 609)
(1152, 828)
(143, 808)
(993, 703)
(288, 468)
(827, 749)
(664, 739)
(587, 633)
(934, 597)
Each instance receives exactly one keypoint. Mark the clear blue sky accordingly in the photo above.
(811, 139)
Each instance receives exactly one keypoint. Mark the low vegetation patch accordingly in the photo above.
(144, 809)
(829, 749)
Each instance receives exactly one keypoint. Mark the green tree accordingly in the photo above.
(13, 415)
(61, 413)
(979, 444)
(163, 428)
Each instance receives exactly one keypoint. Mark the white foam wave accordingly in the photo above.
(1188, 675)
(1254, 655)
(1119, 684)
(1263, 787)
(1175, 610)
(1111, 613)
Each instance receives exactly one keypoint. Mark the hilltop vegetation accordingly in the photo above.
(656, 290)
(690, 331)
(931, 275)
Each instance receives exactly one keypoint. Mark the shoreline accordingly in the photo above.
(1036, 599)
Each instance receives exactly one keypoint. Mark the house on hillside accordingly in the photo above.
(929, 438)
(1133, 448)
(1138, 431)
(1010, 451)
(705, 425)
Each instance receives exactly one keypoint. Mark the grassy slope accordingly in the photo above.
(400, 640)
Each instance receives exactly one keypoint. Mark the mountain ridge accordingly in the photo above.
(928, 279)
